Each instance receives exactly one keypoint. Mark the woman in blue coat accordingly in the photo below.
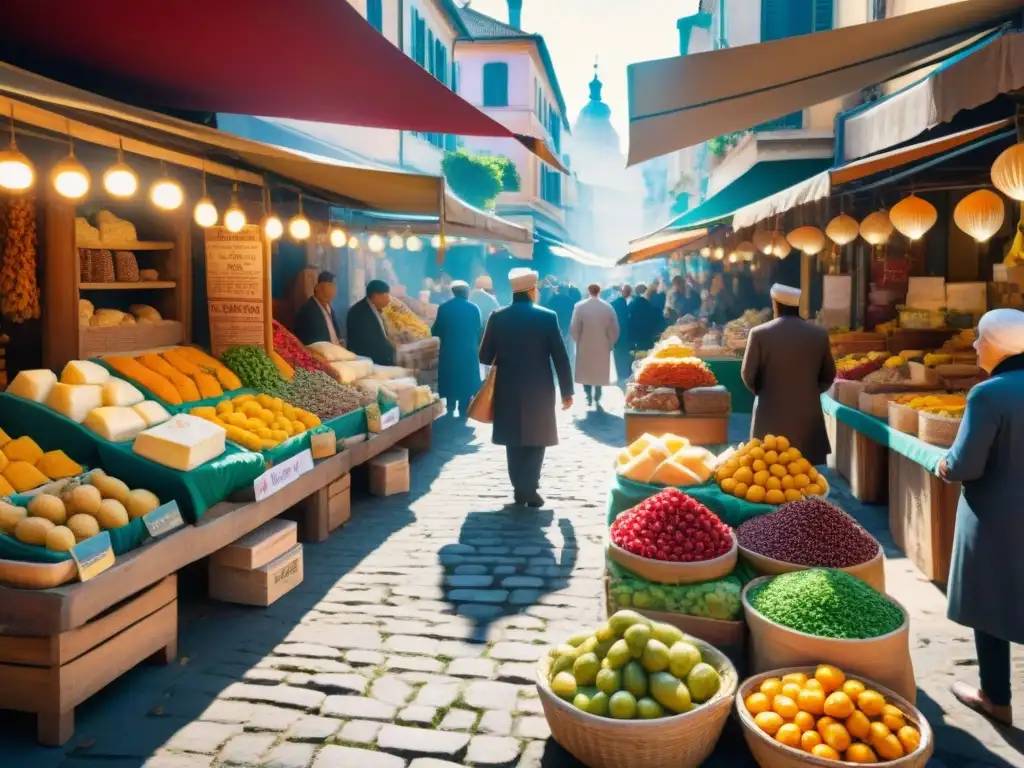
(986, 578)
(458, 327)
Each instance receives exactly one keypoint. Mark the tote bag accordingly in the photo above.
(481, 408)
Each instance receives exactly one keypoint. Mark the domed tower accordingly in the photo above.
(596, 148)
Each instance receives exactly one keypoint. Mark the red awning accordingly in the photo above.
(311, 60)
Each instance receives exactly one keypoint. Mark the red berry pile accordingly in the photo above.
(673, 527)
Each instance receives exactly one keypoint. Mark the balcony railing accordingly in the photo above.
(792, 121)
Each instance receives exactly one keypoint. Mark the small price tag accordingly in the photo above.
(164, 519)
(285, 473)
(323, 444)
(93, 556)
(390, 418)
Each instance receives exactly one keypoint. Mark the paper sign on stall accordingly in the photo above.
(323, 444)
(285, 473)
(164, 519)
(235, 287)
(93, 556)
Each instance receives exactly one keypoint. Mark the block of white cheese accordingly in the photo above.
(151, 412)
(120, 392)
(75, 400)
(84, 372)
(183, 442)
(33, 385)
(118, 424)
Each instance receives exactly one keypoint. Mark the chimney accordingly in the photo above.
(515, 13)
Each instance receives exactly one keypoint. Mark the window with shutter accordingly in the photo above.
(824, 11)
(420, 33)
(430, 52)
(375, 14)
(786, 18)
(496, 84)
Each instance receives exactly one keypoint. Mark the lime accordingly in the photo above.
(670, 692)
(564, 686)
(604, 633)
(636, 638)
(667, 634)
(703, 682)
(682, 657)
(623, 620)
(618, 654)
(599, 704)
(622, 706)
(648, 709)
(609, 680)
(576, 640)
(655, 656)
(582, 702)
(585, 669)
(634, 679)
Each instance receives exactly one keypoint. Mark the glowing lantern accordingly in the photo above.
(876, 228)
(913, 216)
(980, 214)
(842, 230)
(1008, 172)
(809, 240)
(764, 240)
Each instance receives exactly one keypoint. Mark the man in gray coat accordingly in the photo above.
(787, 365)
(523, 340)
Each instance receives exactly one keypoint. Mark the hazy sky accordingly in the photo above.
(618, 32)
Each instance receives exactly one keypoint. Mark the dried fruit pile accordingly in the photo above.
(673, 527)
(292, 350)
(676, 372)
(19, 290)
(809, 532)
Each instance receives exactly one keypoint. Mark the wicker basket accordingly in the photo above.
(903, 418)
(847, 392)
(937, 430)
(680, 741)
(661, 572)
(771, 754)
(871, 572)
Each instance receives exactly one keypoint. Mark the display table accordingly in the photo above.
(60, 646)
(699, 430)
(727, 371)
(922, 507)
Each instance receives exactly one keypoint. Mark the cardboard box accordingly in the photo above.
(389, 473)
(966, 297)
(1001, 273)
(261, 586)
(256, 549)
(339, 502)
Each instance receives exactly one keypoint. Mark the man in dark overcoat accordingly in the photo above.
(458, 326)
(523, 340)
(787, 365)
(623, 350)
(364, 323)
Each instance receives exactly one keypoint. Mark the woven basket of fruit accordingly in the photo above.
(879, 725)
(662, 572)
(903, 418)
(666, 708)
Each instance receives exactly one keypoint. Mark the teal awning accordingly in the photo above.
(762, 180)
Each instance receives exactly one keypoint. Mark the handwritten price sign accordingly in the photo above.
(284, 474)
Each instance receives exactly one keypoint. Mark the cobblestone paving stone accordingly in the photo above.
(413, 639)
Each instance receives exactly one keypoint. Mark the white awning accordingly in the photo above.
(682, 101)
(971, 79)
(573, 253)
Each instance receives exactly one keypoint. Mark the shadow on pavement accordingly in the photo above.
(504, 563)
(604, 427)
(956, 746)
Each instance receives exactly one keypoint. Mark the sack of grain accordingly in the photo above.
(937, 430)
(713, 401)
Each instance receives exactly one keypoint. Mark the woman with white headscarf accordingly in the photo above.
(986, 577)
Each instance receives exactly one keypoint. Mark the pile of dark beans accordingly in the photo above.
(809, 532)
(317, 392)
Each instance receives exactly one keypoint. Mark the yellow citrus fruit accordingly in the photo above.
(754, 442)
(773, 484)
(790, 688)
(778, 470)
(909, 738)
(740, 491)
(860, 753)
(889, 748)
(769, 722)
(837, 737)
(809, 740)
(858, 725)
(801, 481)
(805, 720)
(757, 703)
(793, 495)
(728, 485)
(825, 752)
(876, 733)
(839, 706)
(793, 468)
(757, 452)
(822, 481)
(789, 734)
(771, 687)
(771, 457)
(781, 443)
(871, 703)
(813, 490)
(761, 478)
(785, 706)
(810, 700)
(756, 494)
(769, 442)
(830, 677)
(813, 684)
(812, 473)
(787, 483)
(759, 465)
(784, 457)
(853, 688)
(745, 461)
(744, 475)
(805, 465)
(725, 472)
(775, 496)
(824, 723)
(794, 453)
(892, 717)
(795, 677)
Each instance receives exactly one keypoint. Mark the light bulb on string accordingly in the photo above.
(16, 171)
(167, 193)
(272, 226)
(338, 237)
(396, 242)
(375, 243)
(353, 242)
(205, 213)
(234, 216)
(436, 241)
(119, 179)
(69, 177)
(298, 226)
(413, 243)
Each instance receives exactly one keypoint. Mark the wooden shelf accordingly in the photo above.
(139, 286)
(142, 245)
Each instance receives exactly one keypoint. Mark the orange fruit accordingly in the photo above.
(858, 725)
(790, 689)
(839, 706)
(877, 732)
(813, 490)
(781, 443)
(725, 472)
(889, 748)
(773, 484)
(860, 753)
(755, 494)
(812, 473)
(794, 453)
(775, 497)
(830, 677)
(801, 481)
(789, 734)
(777, 470)
(745, 461)
(728, 484)
(740, 491)
(771, 457)
(761, 477)
(809, 740)
(853, 688)
(769, 722)
(909, 738)
(825, 752)
(814, 685)
(823, 723)
(793, 494)
(759, 466)
(811, 700)
(757, 703)
(757, 452)
(787, 481)
(784, 457)
(769, 442)
(805, 720)
(795, 677)
(837, 737)
(871, 703)
(785, 706)
(744, 475)
(771, 687)
(893, 717)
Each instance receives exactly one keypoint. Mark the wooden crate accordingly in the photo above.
(862, 462)
(699, 430)
(389, 473)
(261, 586)
(339, 502)
(256, 549)
(922, 515)
(51, 675)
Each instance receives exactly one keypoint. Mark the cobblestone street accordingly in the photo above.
(413, 640)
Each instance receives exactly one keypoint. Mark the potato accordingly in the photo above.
(60, 539)
(33, 530)
(10, 516)
(84, 500)
(83, 526)
(112, 514)
(141, 502)
(111, 488)
(49, 507)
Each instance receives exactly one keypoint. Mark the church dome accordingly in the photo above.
(594, 125)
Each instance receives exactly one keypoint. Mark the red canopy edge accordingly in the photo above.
(312, 60)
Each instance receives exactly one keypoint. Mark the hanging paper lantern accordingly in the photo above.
(810, 240)
(876, 228)
(780, 246)
(980, 214)
(763, 240)
(745, 247)
(1008, 172)
(842, 230)
(913, 216)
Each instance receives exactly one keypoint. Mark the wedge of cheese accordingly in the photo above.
(84, 372)
(120, 392)
(696, 459)
(75, 400)
(675, 443)
(33, 385)
(637, 446)
(183, 442)
(151, 412)
(116, 423)
(672, 473)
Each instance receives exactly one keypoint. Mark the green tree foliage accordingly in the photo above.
(479, 179)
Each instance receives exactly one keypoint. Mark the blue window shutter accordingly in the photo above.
(455, 76)
(823, 15)
(430, 52)
(375, 14)
(496, 84)
(787, 18)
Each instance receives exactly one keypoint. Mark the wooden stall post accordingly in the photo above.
(922, 515)
(60, 280)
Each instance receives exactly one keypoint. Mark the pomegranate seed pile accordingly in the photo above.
(673, 527)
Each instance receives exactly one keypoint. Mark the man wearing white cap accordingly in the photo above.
(483, 296)
(787, 365)
(458, 327)
(523, 341)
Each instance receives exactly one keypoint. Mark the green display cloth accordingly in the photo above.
(349, 425)
(918, 451)
(727, 371)
(19, 417)
(627, 493)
